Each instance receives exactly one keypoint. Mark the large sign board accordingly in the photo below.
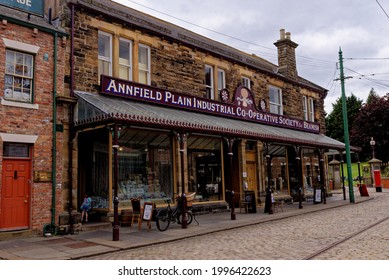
(241, 107)
(30, 6)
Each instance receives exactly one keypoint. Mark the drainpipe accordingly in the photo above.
(54, 151)
(71, 113)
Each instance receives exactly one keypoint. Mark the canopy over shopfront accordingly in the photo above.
(96, 110)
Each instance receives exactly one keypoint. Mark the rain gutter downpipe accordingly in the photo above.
(71, 113)
(54, 151)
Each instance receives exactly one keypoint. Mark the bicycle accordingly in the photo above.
(174, 215)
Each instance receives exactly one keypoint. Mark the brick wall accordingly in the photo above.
(26, 121)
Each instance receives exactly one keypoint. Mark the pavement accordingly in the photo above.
(96, 238)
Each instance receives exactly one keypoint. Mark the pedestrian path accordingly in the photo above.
(99, 241)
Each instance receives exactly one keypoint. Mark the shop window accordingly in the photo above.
(105, 54)
(275, 97)
(18, 81)
(204, 168)
(209, 81)
(144, 64)
(221, 80)
(125, 59)
(246, 82)
(145, 166)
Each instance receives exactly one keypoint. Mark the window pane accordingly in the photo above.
(10, 68)
(208, 76)
(10, 57)
(124, 52)
(19, 58)
(8, 80)
(28, 60)
(220, 80)
(142, 77)
(143, 58)
(104, 67)
(124, 73)
(104, 45)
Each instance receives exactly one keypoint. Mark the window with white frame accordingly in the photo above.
(221, 80)
(125, 59)
(105, 54)
(275, 98)
(311, 110)
(144, 64)
(209, 82)
(305, 108)
(18, 82)
(246, 82)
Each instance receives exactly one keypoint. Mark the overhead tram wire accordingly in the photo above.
(384, 85)
(382, 8)
(305, 60)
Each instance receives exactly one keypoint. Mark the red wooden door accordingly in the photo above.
(15, 194)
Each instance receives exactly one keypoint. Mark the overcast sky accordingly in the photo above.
(359, 27)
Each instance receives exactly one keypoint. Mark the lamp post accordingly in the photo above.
(115, 146)
(372, 144)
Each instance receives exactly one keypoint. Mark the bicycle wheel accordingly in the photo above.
(163, 220)
(190, 218)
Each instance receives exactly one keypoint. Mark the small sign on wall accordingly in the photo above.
(30, 6)
(43, 176)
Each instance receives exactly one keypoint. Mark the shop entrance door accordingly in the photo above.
(252, 176)
(15, 194)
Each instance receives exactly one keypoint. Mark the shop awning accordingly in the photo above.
(95, 109)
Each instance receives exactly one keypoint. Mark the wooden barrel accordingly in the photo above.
(125, 218)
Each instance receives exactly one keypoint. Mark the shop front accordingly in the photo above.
(169, 143)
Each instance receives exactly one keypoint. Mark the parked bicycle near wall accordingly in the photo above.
(174, 215)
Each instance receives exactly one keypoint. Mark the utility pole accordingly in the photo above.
(345, 127)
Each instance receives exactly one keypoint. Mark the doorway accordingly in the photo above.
(15, 187)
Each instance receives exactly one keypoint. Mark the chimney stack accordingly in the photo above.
(286, 55)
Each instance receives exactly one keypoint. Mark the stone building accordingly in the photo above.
(161, 110)
(125, 105)
(31, 73)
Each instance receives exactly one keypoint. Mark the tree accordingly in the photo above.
(372, 121)
(334, 121)
(372, 96)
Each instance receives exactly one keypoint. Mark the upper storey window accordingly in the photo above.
(311, 110)
(308, 109)
(221, 80)
(144, 64)
(275, 97)
(305, 108)
(125, 59)
(105, 54)
(246, 82)
(19, 69)
(209, 82)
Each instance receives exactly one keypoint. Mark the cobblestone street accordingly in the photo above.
(292, 238)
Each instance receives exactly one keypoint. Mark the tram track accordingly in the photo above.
(344, 240)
